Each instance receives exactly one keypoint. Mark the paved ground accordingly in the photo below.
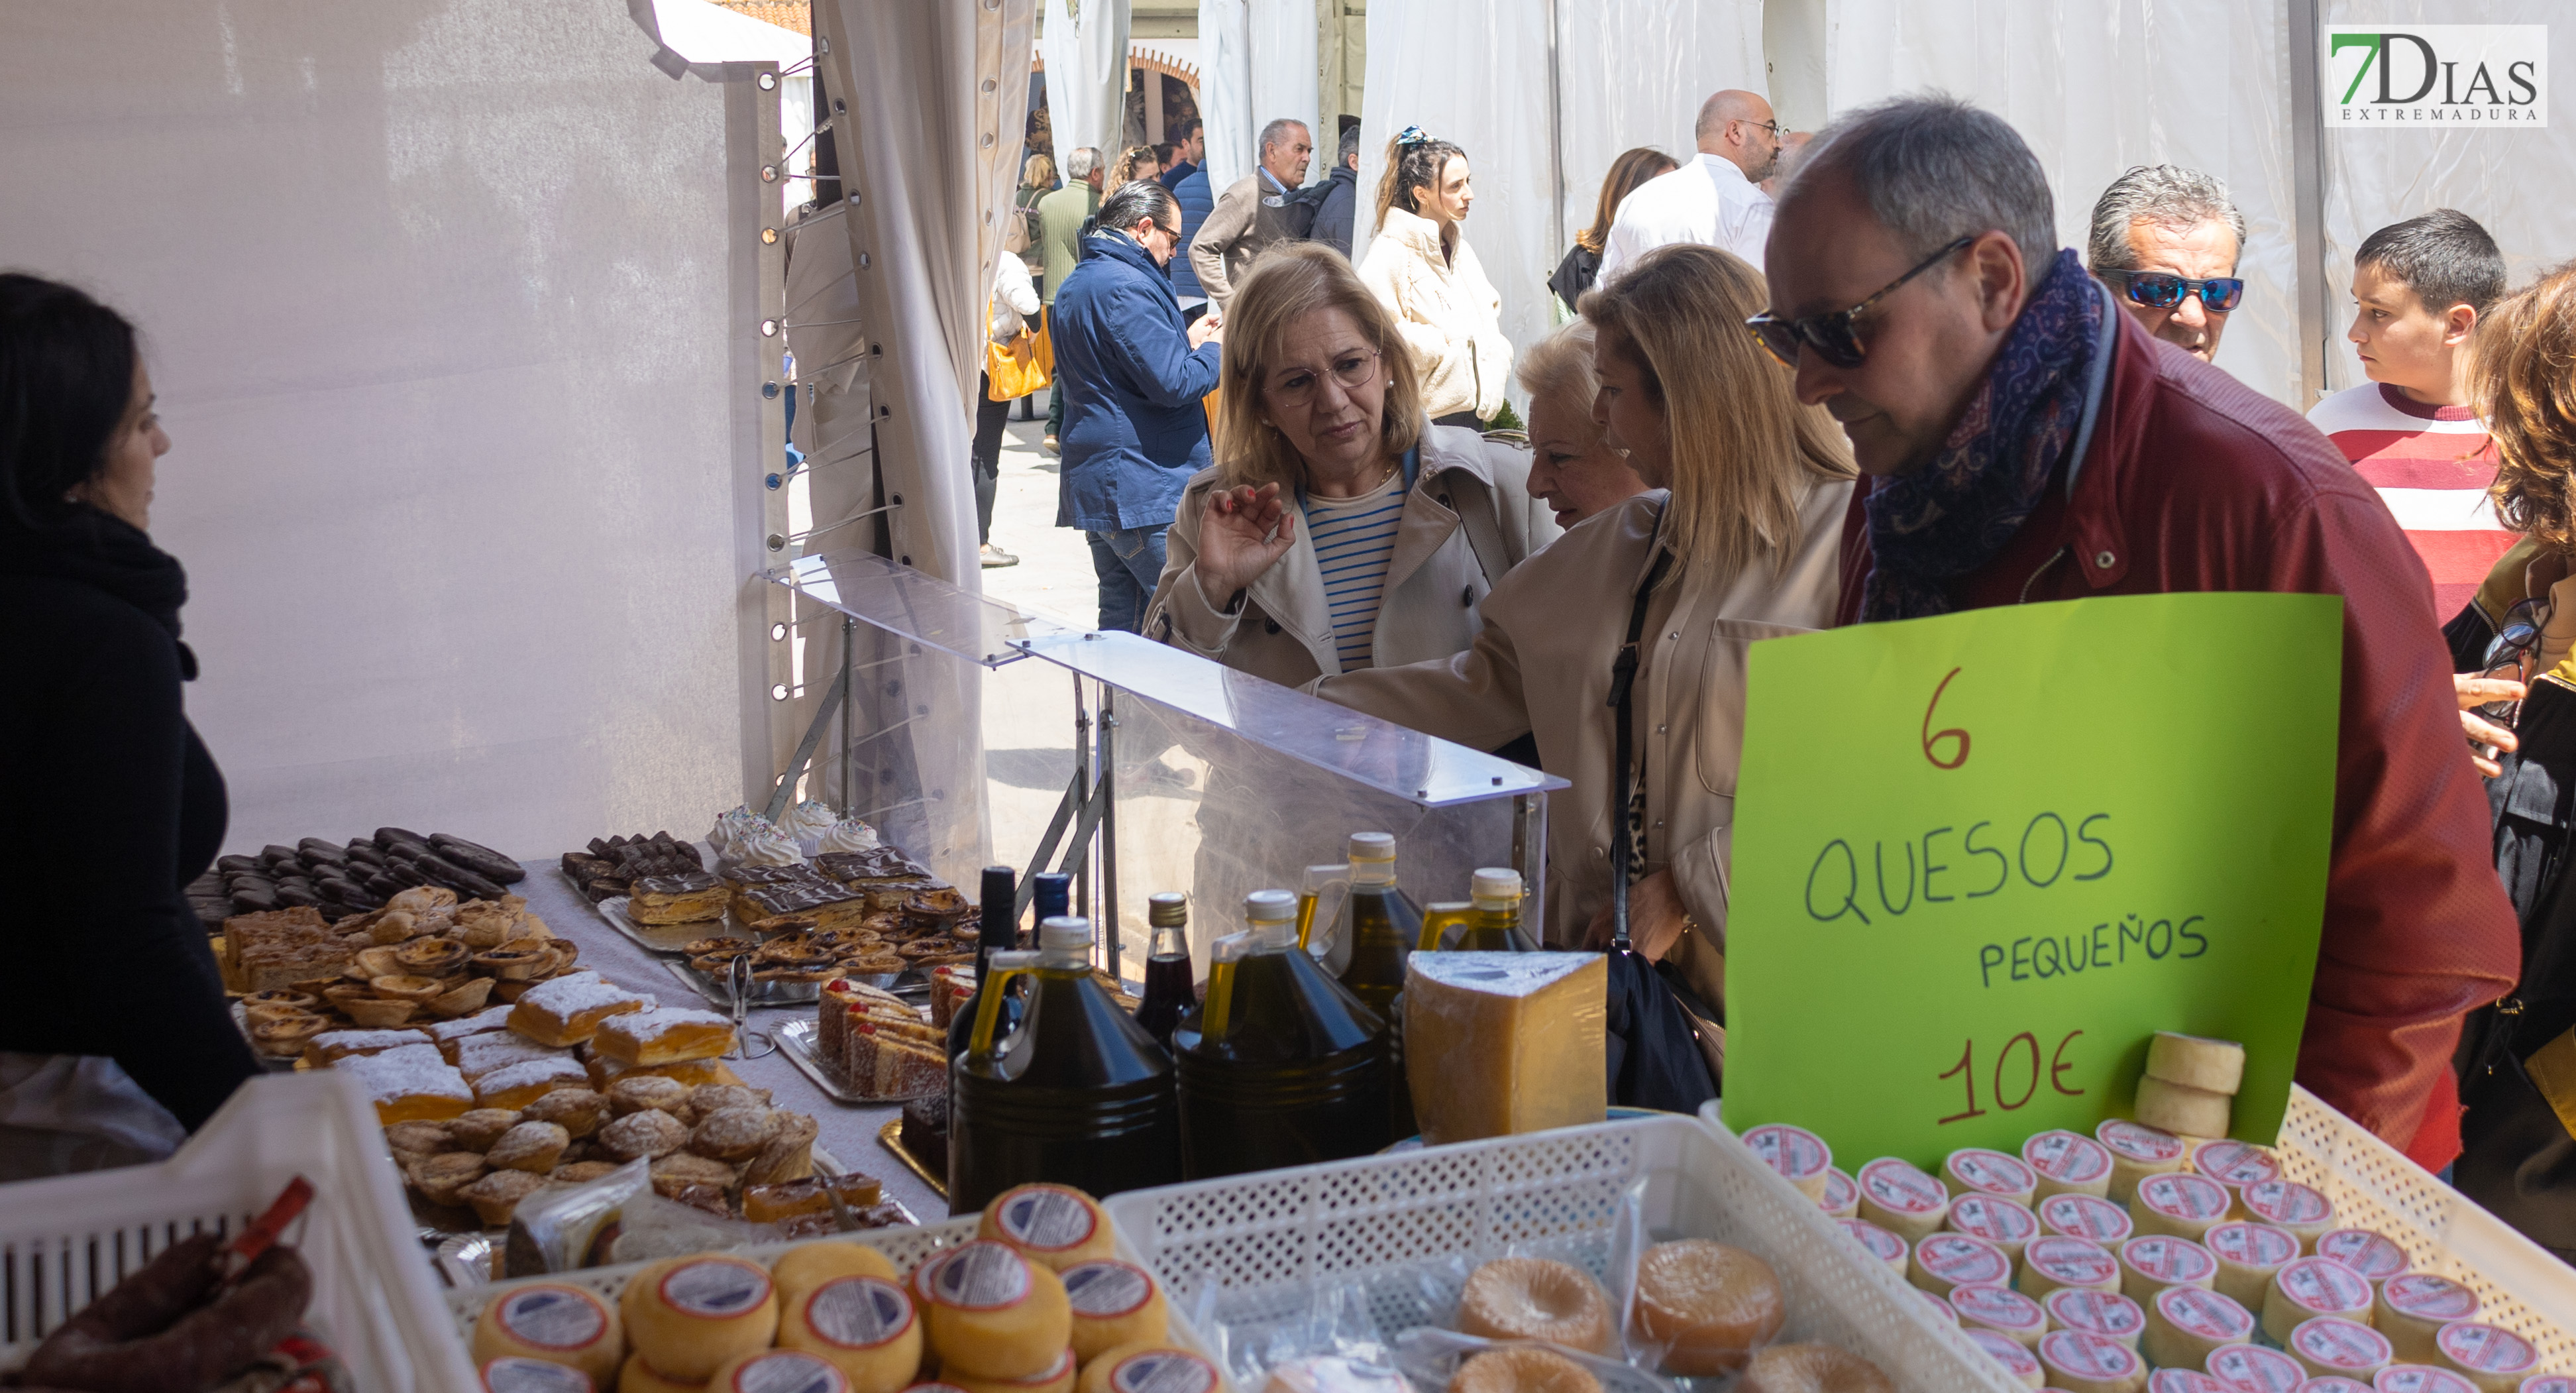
(1054, 577)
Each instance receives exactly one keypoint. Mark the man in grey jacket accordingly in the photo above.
(1253, 212)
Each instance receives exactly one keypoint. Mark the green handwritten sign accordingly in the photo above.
(1980, 859)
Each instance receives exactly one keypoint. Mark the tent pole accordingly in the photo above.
(1555, 137)
(2307, 179)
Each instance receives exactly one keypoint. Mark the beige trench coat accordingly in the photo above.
(1467, 519)
(1542, 665)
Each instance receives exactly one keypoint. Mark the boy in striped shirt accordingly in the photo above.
(2418, 288)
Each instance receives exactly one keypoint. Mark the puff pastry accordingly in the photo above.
(676, 899)
(567, 1010)
(411, 1083)
(663, 1035)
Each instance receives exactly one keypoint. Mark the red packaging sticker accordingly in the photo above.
(1940, 1307)
(1794, 1152)
(715, 1288)
(2009, 1352)
(981, 1276)
(2172, 1261)
(858, 1312)
(2485, 1349)
(2176, 1195)
(1047, 1218)
(2069, 1158)
(513, 1373)
(1107, 1289)
(2287, 1202)
(2235, 1163)
(1961, 1260)
(787, 1371)
(2253, 1369)
(2424, 1378)
(2341, 1344)
(1162, 1371)
(1895, 1185)
(2139, 1142)
(2251, 1245)
(2102, 1312)
(1991, 1172)
(2207, 1314)
(2071, 1262)
(2081, 1354)
(2427, 1297)
(1994, 1219)
(1882, 1245)
(553, 1317)
(2546, 1383)
(2183, 1381)
(1998, 1306)
(1841, 1192)
(2333, 1383)
(2364, 1251)
(2084, 1216)
(2324, 1286)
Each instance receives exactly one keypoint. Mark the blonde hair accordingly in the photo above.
(1560, 365)
(1744, 452)
(2522, 374)
(1287, 282)
(1038, 173)
(1124, 171)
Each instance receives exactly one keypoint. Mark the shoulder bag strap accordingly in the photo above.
(1623, 677)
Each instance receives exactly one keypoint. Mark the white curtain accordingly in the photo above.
(2097, 87)
(1084, 43)
(1225, 90)
(1633, 72)
(1285, 80)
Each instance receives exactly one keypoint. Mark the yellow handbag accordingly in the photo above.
(1021, 366)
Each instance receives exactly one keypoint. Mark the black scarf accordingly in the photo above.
(99, 549)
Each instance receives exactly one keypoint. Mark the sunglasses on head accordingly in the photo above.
(1834, 335)
(2162, 290)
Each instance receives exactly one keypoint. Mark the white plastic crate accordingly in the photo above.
(1263, 1243)
(64, 1241)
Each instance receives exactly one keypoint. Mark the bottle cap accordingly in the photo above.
(1496, 883)
(1372, 857)
(1168, 910)
(1000, 909)
(1053, 894)
(1065, 934)
(1270, 907)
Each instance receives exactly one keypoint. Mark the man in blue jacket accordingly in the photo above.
(1133, 375)
(1196, 203)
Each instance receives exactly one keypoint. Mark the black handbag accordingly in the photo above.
(1654, 1054)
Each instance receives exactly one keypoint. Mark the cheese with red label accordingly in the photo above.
(2080, 1361)
(2254, 1369)
(2180, 1205)
(2052, 1261)
(2085, 1216)
(1879, 1243)
(1946, 1260)
(2490, 1356)
(2152, 1263)
(1974, 1170)
(2183, 1381)
(2185, 1325)
(2104, 1313)
(2019, 1363)
(2302, 1211)
(1986, 1305)
(1800, 1156)
(2138, 1151)
(2537, 1383)
(2332, 1345)
(2248, 1254)
(2310, 1287)
(1900, 1198)
(2067, 1163)
(2365, 1251)
(1841, 1198)
(2007, 1224)
(2235, 1164)
(560, 1324)
(2424, 1378)
(2412, 1308)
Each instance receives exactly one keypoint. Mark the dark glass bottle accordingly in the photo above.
(998, 932)
(1377, 927)
(1079, 1094)
(1051, 899)
(1169, 989)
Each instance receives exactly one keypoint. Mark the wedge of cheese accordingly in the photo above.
(1501, 1043)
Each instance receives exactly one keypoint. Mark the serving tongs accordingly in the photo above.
(747, 1043)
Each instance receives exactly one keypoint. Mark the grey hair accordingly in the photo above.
(1277, 131)
(1561, 365)
(2164, 195)
(1934, 169)
(1081, 162)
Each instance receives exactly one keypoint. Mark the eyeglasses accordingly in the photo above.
(2163, 290)
(1772, 126)
(2516, 639)
(1835, 335)
(1296, 386)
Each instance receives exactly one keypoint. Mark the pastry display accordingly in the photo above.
(675, 899)
(664, 1035)
(568, 1010)
(609, 867)
(338, 880)
(408, 964)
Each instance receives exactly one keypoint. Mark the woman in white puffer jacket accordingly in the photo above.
(1420, 267)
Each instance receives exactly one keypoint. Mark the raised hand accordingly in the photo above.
(1243, 534)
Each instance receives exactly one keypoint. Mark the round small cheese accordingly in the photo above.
(996, 1315)
(2183, 1381)
(1901, 1199)
(863, 1326)
(2180, 1205)
(2537, 1383)
(1054, 1226)
(1974, 1170)
(2185, 1325)
(1946, 1260)
(1987, 1306)
(2007, 1224)
(2365, 1251)
(1841, 1199)
(2299, 1210)
(686, 1316)
(1114, 1303)
(2154, 1262)
(515, 1374)
(2088, 1217)
(2184, 1111)
(1058, 1378)
(1879, 1243)
(1939, 1306)
(2104, 1313)
(2425, 1378)
(2067, 1163)
(801, 1269)
(2331, 1345)
(2234, 1164)
(2020, 1364)
(2051, 1262)
(2254, 1369)
(2306, 1288)
(2413, 1307)
(639, 1377)
(2333, 1383)
(2492, 1357)
(776, 1371)
(2196, 1061)
(1150, 1369)
(2248, 1254)
(557, 1323)
(2079, 1361)
(1800, 1156)
(2136, 1153)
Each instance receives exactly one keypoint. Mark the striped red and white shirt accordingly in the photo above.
(2432, 466)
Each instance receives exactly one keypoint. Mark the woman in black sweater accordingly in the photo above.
(109, 803)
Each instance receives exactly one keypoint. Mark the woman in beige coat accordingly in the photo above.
(1420, 267)
(1339, 531)
(1752, 522)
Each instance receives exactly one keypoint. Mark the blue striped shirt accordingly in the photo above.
(1354, 539)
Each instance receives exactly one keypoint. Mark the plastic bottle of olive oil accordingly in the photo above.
(1378, 924)
(1490, 922)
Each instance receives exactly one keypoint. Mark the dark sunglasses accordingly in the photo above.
(2162, 290)
(1836, 335)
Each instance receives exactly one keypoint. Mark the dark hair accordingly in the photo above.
(1632, 168)
(2443, 256)
(1413, 160)
(1350, 142)
(1188, 128)
(1135, 201)
(1933, 169)
(66, 378)
(1164, 151)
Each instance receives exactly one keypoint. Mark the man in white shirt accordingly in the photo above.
(1713, 200)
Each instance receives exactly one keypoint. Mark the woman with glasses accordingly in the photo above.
(1340, 529)
(1421, 268)
(1739, 539)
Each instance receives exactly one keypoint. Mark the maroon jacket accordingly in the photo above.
(2192, 481)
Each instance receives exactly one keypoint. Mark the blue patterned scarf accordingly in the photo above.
(1944, 520)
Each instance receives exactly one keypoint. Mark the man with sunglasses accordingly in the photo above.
(1716, 199)
(2026, 441)
(2165, 239)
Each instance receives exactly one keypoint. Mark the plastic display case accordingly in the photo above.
(972, 734)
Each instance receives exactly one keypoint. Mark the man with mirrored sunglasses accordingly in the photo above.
(2166, 239)
(2027, 441)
